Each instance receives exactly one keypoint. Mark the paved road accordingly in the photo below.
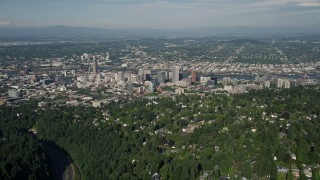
(69, 173)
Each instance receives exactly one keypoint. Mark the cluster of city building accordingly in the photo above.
(122, 81)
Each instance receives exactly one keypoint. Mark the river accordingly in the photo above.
(253, 76)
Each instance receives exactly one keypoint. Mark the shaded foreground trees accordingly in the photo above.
(21, 154)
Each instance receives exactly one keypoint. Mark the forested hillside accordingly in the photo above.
(259, 134)
(21, 154)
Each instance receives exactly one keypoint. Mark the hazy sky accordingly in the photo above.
(159, 13)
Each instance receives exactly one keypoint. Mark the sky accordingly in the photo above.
(164, 14)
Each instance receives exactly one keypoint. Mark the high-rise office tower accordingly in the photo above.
(141, 74)
(161, 77)
(175, 74)
(147, 75)
(120, 76)
(134, 78)
(95, 68)
(151, 87)
(215, 79)
(193, 76)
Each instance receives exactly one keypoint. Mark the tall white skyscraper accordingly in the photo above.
(175, 74)
(95, 68)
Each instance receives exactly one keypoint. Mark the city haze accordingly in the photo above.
(159, 14)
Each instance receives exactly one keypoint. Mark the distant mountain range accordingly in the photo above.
(82, 33)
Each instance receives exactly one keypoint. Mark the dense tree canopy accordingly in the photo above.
(236, 135)
(183, 137)
(21, 154)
